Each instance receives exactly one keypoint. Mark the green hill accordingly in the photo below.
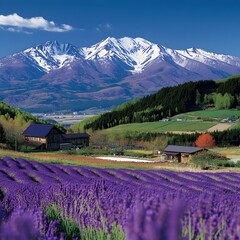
(8, 112)
(228, 78)
(169, 102)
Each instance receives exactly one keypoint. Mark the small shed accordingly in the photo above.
(181, 154)
(77, 140)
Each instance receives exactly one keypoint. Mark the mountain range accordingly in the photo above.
(57, 77)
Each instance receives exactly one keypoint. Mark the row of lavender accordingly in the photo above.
(147, 204)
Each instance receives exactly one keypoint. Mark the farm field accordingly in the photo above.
(210, 113)
(78, 160)
(93, 161)
(220, 127)
(73, 202)
(185, 126)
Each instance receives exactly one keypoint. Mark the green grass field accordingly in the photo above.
(210, 113)
(185, 126)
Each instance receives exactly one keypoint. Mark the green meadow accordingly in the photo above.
(210, 113)
(185, 126)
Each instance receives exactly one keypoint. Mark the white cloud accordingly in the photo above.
(106, 26)
(14, 29)
(14, 22)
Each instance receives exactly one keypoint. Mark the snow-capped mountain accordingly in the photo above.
(111, 71)
(53, 55)
(136, 53)
(133, 54)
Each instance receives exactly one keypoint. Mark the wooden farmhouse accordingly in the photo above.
(48, 137)
(181, 154)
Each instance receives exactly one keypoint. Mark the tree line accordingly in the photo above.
(229, 137)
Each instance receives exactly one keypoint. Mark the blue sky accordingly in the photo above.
(213, 25)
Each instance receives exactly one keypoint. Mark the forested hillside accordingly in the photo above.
(168, 102)
(12, 123)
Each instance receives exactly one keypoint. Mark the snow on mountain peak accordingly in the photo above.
(136, 53)
(56, 48)
(53, 55)
(208, 58)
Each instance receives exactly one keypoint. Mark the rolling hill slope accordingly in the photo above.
(168, 102)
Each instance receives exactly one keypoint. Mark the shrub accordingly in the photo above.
(205, 140)
(71, 230)
(206, 160)
(68, 226)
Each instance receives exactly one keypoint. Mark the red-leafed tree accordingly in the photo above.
(205, 140)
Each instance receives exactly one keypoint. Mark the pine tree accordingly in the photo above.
(198, 98)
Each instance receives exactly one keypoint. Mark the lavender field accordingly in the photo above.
(47, 201)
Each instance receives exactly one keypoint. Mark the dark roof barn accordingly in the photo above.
(182, 149)
(38, 130)
(49, 137)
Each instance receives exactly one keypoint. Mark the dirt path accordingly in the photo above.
(220, 127)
